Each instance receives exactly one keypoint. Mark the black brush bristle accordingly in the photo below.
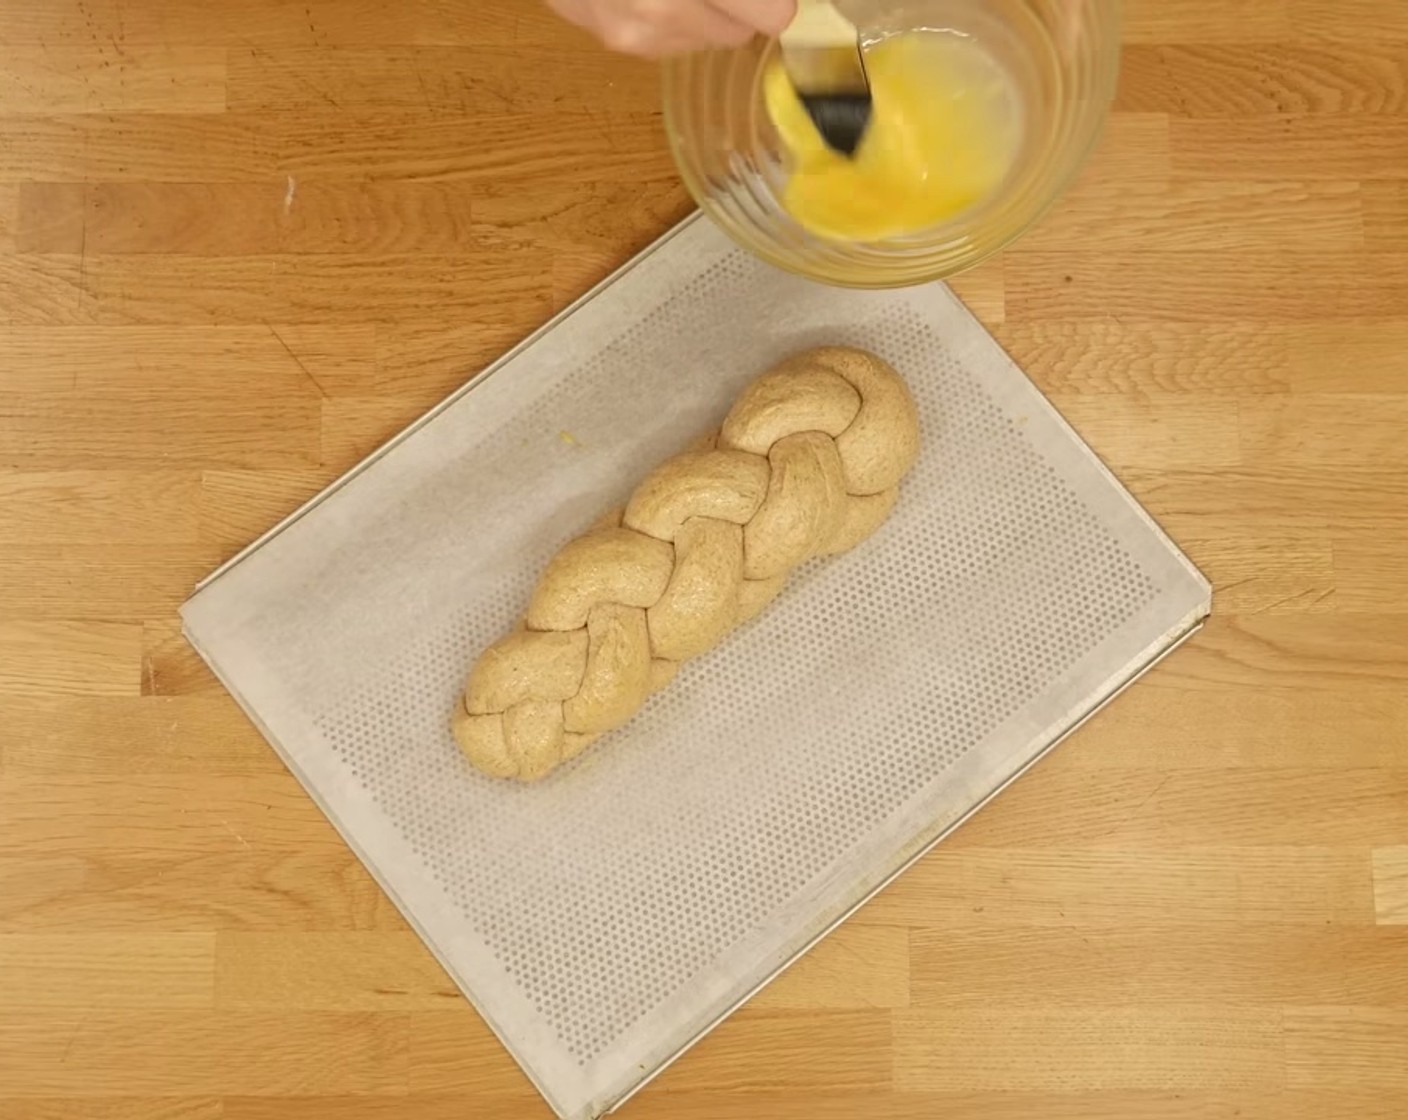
(841, 118)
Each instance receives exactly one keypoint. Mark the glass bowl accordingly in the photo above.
(1061, 56)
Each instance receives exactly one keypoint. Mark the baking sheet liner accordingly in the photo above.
(604, 919)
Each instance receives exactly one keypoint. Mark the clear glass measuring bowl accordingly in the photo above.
(1061, 56)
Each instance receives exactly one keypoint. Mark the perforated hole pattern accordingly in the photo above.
(606, 889)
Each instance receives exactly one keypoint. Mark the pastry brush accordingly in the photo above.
(822, 56)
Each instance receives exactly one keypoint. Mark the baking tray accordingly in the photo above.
(603, 920)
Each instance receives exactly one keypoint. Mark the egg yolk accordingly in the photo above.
(943, 133)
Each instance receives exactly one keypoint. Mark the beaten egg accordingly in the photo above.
(944, 131)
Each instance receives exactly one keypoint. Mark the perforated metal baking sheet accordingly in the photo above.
(604, 919)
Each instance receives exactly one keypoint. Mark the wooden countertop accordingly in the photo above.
(242, 243)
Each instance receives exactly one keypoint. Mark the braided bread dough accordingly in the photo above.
(807, 464)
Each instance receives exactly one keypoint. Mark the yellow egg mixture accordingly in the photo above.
(943, 132)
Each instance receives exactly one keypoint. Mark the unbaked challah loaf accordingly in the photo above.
(807, 463)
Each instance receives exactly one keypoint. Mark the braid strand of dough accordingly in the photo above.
(807, 463)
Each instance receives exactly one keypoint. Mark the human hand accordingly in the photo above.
(653, 28)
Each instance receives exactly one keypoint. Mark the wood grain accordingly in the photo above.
(51, 972)
(167, 890)
(1240, 81)
(64, 657)
(989, 888)
(1305, 146)
(1391, 886)
(369, 971)
(243, 244)
(1347, 1047)
(244, 219)
(1292, 965)
(137, 147)
(1386, 214)
(90, 80)
(453, 81)
(9, 211)
(996, 1047)
(79, 507)
(114, 735)
(186, 1053)
(1210, 21)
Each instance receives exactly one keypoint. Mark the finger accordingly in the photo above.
(655, 28)
(703, 25)
(688, 28)
(577, 12)
(767, 16)
(726, 30)
(646, 41)
(621, 31)
(692, 24)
